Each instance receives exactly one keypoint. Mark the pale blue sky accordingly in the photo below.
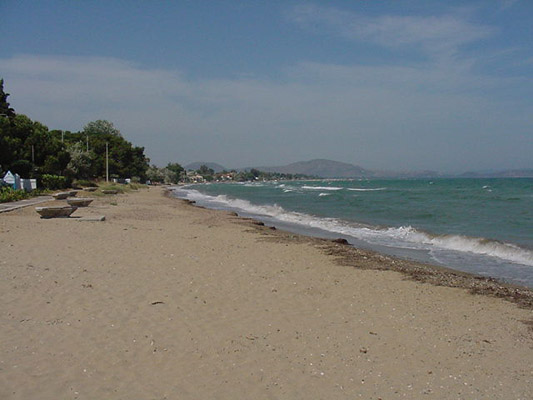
(403, 85)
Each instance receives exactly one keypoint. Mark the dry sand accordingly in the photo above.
(164, 300)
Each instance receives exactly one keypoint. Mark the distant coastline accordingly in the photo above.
(323, 168)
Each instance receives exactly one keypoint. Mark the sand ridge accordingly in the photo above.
(166, 300)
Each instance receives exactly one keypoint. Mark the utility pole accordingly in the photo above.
(106, 162)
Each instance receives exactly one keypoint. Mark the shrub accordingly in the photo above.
(8, 194)
(85, 183)
(54, 181)
(118, 188)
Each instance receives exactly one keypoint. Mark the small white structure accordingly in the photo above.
(12, 179)
(16, 182)
(28, 184)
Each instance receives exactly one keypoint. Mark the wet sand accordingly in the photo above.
(167, 300)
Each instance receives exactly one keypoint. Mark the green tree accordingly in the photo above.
(206, 172)
(155, 174)
(5, 109)
(101, 127)
(255, 172)
(29, 149)
(175, 172)
(125, 160)
(80, 163)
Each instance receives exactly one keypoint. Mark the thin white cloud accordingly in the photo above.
(437, 36)
(505, 4)
(379, 117)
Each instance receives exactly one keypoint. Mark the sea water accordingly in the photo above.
(481, 226)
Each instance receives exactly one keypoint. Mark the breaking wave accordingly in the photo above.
(367, 189)
(401, 237)
(322, 188)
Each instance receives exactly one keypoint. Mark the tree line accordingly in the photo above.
(31, 150)
(175, 173)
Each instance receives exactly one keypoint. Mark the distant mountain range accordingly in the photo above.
(334, 169)
(214, 166)
(321, 168)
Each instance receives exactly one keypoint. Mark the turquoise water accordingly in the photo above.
(484, 226)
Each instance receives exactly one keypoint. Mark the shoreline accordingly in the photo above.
(482, 255)
(167, 300)
(350, 255)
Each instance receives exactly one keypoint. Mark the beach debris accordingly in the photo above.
(93, 218)
(340, 241)
(154, 303)
(55, 211)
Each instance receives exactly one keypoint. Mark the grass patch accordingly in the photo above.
(8, 194)
(121, 188)
(85, 183)
(118, 188)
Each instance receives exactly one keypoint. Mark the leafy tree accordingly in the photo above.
(175, 172)
(5, 110)
(101, 127)
(125, 160)
(155, 174)
(29, 149)
(80, 162)
(5, 145)
(206, 172)
(22, 167)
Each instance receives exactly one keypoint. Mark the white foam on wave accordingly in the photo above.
(480, 246)
(323, 194)
(402, 237)
(367, 189)
(321, 188)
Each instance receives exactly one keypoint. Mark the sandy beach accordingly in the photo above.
(165, 300)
